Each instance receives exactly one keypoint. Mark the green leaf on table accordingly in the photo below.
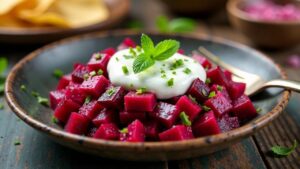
(147, 44)
(58, 73)
(2, 84)
(284, 151)
(142, 62)
(165, 49)
(3, 64)
(162, 24)
(180, 25)
(135, 24)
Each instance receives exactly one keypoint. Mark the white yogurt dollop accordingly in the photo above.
(162, 78)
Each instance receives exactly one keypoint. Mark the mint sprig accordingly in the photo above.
(162, 51)
(284, 151)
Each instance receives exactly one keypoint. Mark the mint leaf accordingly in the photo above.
(180, 25)
(284, 151)
(142, 62)
(3, 64)
(165, 49)
(162, 24)
(147, 44)
(185, 119)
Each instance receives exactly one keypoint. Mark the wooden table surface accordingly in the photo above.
(38, 152)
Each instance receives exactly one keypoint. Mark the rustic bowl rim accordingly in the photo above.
(233, 8)
(232, 135)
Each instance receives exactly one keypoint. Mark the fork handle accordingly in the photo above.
(287, 84)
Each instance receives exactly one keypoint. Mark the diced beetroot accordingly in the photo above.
(151, 130)
(64, 82)
(109, 51)
(105, 116)
(228, 74)
(91, 109)
(186, 105)
(94, 86)
(55, 97)
(77, 124)
(128, 117)
(236, 90)
(140, 102)
(79, 72)
(206, 125)
(127, 42)
(202, 60)
(227, 123)
(91, 132)
(176, 133)
(98, 61)
(64, 109)
(75, 94)
(136, 132)
(166, 113)
(219, 104)
(199, 90)
(217, 76)
(180, 51)
(243, 108)
(221, 89)
(108, 131)
(113, 97)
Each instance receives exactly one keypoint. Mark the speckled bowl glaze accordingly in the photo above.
(35, 71)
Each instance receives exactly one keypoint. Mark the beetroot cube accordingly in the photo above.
(91, 109)
(55, 97)
(91, 132)
(64, 109)
(109, 51)
(199, 90)
(206, 125)
(217, 76)
(222, 90)
(108, 131)
(236, 89)
(113, 97)
(243, 108)
(98, 61)
(79, 72)
(151, 129)
(135, 133)
(77, 124)
(180, 51)
(166, 113)
(227, 123)
(94, 86)
(173, 100)
(176, 133)
(139, 102)
(64, 82)
(105, 116)
(228, 74)
(128, 117)
(75, 94)
(219, 104)
(127, 42)
(186, 105)
(202, 60)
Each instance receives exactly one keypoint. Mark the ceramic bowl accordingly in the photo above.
(35, 72)
(269, 34)
(118, 10)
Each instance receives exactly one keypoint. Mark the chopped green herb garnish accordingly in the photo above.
(185, 119)
(23, 88)
(284, 151)
(86, 76)
(43, 101)
(97, 56)
(17, 142)
(54, 119)
(141, 90)
(187, 71)
(100, 72)
(170, 82)
(128, 56)
(87, 99)
(178, 63)
(174, 72)
(208, 81)
(111, 91)
(162, 71)
(131, 51)
(131, 85)
(219, 88)
(212, 94)
(1, 106)
(193, 99)
(204, 92)
(93, 73)
(258, 109)
(164, 64)
(58, 73)
(205, 108)
(35, 94)
(125, 70)
(124, 130)
(163, 76)
(117, 59)
(138, 48)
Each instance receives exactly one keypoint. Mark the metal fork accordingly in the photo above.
(254, 83)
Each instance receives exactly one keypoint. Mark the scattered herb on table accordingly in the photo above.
(58, 73)
(17, 142)
(177, 25)
(284, 151)
(41, 100)
(1, 106)
(23, 88)
(3, 67)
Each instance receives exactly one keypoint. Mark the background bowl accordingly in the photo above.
(270, 34)
(118, 10)
(35, 71)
